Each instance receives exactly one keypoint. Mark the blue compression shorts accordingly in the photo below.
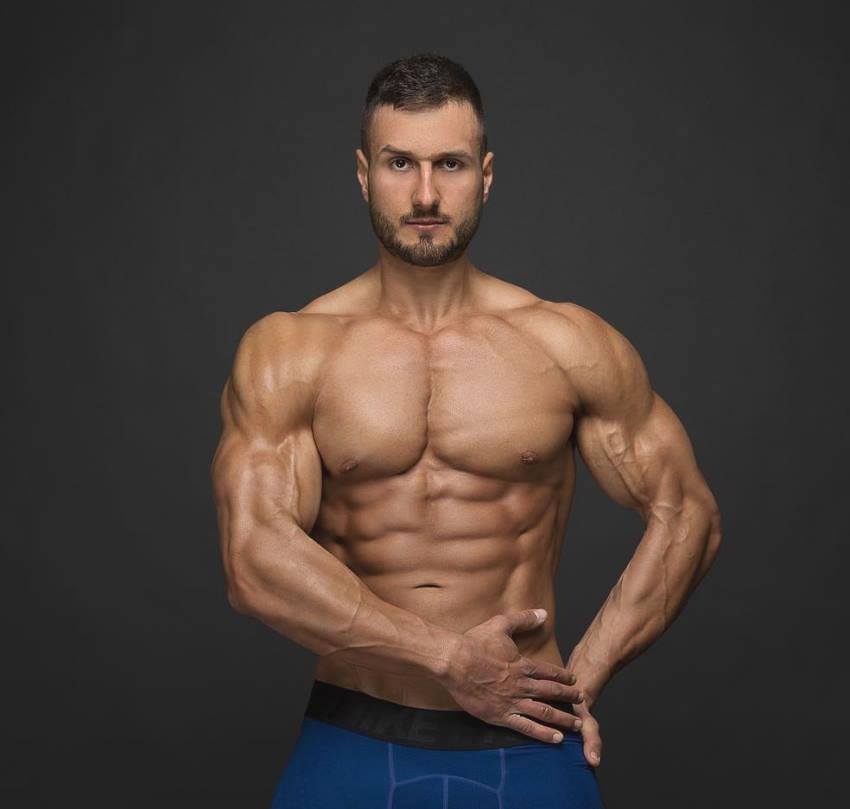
(355, 751)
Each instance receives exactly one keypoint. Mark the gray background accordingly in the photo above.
(176, 172)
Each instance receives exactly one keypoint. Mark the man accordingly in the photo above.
(394, 479)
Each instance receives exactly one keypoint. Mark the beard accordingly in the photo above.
(425, 252)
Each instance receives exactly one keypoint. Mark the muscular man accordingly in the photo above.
(394, 478)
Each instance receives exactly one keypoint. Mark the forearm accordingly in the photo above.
(304, 592)
(669, 562)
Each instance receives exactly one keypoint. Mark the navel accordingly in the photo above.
(529, 457)
(348, 465)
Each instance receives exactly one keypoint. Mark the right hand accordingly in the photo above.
(489, 678)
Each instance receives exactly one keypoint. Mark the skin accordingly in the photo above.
(397, 464)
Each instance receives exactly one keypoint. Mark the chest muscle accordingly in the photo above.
(480, 397)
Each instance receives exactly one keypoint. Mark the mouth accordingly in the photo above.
(426, 224)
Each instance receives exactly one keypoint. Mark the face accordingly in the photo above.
(425, 164)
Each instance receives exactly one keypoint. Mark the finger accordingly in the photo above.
(591, 738)
(549, 690)
(531, 728)
(548, 671)
(582, 710)
(549, 714)
(522, 620)
(592, 748)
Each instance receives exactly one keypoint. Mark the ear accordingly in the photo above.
(487, 171)
(362, 172)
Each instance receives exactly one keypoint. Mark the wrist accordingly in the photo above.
(446, 663)
(591, 678)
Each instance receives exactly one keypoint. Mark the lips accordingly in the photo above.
(426, 222)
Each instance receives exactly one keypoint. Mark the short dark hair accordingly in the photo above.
(421, 81)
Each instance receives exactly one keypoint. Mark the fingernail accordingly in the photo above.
(541, 614)
(577, 725)
(594, 755)
(558, 737)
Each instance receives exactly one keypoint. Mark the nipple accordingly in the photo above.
(348, 465)
(528, 457)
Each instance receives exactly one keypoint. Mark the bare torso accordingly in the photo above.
(448, 464)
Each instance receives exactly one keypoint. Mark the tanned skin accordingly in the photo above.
(397, 464)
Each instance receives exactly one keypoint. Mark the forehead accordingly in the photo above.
(452, 126)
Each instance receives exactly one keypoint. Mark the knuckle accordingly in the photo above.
(521, 723)
(530, 686)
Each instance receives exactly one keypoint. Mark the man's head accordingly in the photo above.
(424, 155)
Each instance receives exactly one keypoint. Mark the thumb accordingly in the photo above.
(523, 619)
(592, 740)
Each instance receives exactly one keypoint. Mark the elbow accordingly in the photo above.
(237, 600)
(240, 590)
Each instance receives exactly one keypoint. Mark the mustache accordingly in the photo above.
(425, 215)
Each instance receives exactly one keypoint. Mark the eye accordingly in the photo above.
(452, 160)
(396, 159)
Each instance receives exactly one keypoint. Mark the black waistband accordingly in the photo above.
(420, 727)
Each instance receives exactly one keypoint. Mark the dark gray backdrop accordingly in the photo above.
(179, 171)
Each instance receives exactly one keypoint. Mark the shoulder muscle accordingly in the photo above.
(271, 387)
(603, 366)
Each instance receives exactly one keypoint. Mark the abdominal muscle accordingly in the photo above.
(456, 583)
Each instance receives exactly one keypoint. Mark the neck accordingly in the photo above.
(423, 297)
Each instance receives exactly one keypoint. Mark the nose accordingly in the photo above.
(425, 195)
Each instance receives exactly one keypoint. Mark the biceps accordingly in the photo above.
(263, 490)
(648, 465)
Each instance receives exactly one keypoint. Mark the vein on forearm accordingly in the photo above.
(652, 590)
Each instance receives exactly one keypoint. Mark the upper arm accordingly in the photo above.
(266, 472)
(632, 442)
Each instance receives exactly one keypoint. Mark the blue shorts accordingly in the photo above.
(355, 751)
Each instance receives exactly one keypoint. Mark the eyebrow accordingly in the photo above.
(456, 153)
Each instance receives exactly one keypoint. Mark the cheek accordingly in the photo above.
(463, 192)
(388, 195)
